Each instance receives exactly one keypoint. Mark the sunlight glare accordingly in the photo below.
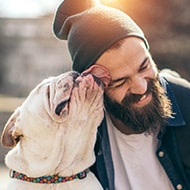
(26, 8)
(112, 3)
(108, 1)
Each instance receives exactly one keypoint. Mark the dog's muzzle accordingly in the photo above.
(62, 104)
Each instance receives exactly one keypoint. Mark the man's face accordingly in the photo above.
(134, 95)
(130, 67)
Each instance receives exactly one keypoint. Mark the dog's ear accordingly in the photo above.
(10, 134)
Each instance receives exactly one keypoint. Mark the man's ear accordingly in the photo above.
(100, 72)
(10, 134)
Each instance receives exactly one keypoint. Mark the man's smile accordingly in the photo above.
(145, 99)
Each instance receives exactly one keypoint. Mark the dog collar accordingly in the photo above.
(48, 179)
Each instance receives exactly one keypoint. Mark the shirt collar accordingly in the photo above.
(177, 118)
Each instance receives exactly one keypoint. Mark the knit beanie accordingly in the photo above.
(90, 29)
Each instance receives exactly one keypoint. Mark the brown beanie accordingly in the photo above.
(91, 28)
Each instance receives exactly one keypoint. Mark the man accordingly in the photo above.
(142, 143)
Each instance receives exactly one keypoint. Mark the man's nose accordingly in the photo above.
(138, 85)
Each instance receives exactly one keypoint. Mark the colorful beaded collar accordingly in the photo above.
(48, 179)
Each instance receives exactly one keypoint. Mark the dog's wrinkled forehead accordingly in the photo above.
(72, 74)
(57, 80)
(65, 76)
(65, 80)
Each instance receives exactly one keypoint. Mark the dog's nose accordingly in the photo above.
(75, 75)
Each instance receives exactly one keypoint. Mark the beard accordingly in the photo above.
(149, 118)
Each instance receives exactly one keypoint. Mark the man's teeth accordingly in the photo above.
(143, 97)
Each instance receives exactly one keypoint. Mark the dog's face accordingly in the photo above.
(47, 105)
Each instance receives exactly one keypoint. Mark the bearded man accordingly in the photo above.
(142, 143)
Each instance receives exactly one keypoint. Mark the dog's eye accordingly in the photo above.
(66, 86)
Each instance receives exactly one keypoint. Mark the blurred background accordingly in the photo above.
(29, 52)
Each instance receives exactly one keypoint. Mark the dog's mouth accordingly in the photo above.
(61, 106)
